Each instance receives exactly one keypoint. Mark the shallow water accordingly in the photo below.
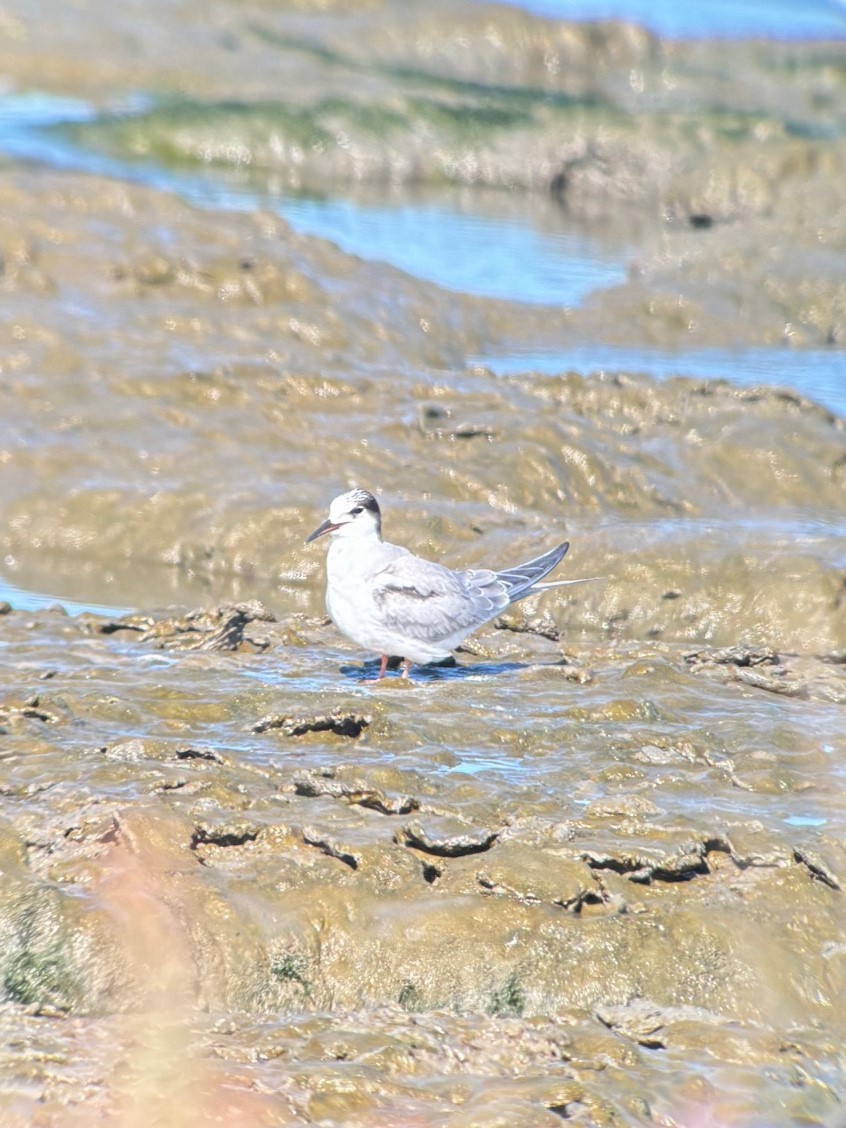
(23, 600)
(481, 243)
(495, 257)
(819, 375)
(760, 19)
(477, 243)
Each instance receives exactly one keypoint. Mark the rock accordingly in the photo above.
(339, 722)
(446, 839)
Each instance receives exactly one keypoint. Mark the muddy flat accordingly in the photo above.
(594, 869)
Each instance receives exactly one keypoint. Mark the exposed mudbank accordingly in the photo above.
(595, 869)
(622, 837)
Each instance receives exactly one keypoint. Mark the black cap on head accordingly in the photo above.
(365, 500)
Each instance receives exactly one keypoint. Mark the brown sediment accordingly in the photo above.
(592, 863)
(596, 869)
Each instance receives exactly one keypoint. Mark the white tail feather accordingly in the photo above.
(566, 583)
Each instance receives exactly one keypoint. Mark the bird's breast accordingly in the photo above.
(349, 579)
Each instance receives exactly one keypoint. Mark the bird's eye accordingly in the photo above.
(358, 509)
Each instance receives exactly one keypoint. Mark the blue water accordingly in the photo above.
(716, 19)
(498, 254)
(819, 374)
(494, 257)
(21, 599)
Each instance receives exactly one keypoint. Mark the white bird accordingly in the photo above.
(389, 601)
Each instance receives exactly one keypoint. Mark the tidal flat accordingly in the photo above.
(593, 871)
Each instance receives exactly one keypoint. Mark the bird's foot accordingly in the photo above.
(404, 676)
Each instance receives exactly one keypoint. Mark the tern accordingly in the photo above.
(391, 602)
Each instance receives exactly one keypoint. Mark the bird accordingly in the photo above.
(391, 602)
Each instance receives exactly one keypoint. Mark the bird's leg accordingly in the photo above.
(406, 668)
(381, 674)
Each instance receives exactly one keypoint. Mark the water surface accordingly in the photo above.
(496, 245)
(514, 247)
(816, 373)
(723, 19)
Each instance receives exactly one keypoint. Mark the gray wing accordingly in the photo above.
(425, 601)
(421, 600)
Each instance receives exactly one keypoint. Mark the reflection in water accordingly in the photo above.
(433, 672)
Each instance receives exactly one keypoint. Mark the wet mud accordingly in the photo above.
(498, 893)
(595, 869)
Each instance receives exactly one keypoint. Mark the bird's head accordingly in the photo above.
(352, 514)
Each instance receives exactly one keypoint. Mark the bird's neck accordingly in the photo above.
(348, 551)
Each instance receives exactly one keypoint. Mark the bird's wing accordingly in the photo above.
(421, 600)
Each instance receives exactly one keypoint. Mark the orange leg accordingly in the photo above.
(381, 674)
(406, 670)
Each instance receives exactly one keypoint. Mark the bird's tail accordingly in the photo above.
(524, 580)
